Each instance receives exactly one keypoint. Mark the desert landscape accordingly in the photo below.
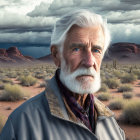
(120, 91)
(22, 77)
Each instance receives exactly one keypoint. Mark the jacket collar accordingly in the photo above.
(57, 107)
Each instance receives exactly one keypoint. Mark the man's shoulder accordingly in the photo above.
(102, 109)
(37, 102)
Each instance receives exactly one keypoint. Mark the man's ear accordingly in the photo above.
(56, 55)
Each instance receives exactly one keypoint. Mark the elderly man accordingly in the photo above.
(67, 109)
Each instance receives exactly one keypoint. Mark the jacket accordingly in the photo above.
(44, 117)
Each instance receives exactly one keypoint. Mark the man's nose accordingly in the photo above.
(88, 59)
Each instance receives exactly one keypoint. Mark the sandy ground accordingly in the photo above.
(132, 132)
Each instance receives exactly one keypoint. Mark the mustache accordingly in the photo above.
(85, 71)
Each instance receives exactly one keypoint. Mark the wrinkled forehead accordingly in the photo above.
(93, 34)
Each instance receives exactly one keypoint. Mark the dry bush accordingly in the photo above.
(125, 88)
(104, 88)
(131, 113)
(104, 96)
(12, 93)
(7, 80)
(112, 83)
(116, 104)
(11, 74)
(127, 95)
(129, 78)
(27, 80)
(40, 75)
(1, 85)
(117, 74)
(136, 72)
(43, 84)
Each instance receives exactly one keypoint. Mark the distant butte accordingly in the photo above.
(13, 55)
(129, 52)
(126, 52)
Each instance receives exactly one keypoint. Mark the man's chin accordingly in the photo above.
(86, 78)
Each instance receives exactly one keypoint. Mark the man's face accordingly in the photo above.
(81, 59)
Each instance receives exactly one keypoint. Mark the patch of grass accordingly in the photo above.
(125, 88)
(112, 83)
(28, 80)
(131, 113)
(104, 88)
(127, 95)
(104, 96)
(12, 93)
(116, 104)
(129, 78)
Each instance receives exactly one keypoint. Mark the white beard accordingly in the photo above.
(85, 85)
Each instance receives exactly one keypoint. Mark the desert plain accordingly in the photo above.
(120, 90)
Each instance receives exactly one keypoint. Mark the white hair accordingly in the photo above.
(82, 18)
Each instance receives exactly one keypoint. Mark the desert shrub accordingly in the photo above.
(12, 93)
(136, 72)
(7, 80)
(131, 112)
(11, 75)
(28, 80)
(127, 95)
(118, 74)
(112, 83)
(125, 88)
(104, 96)
(129, 78)
(104, 88)
(116, 104)
(103, 79)
(40, 75)
(1, 85)
(43, 84)
(50, 71)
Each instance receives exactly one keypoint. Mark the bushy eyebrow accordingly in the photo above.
(97, 47)
(84, 45)
(77, 45)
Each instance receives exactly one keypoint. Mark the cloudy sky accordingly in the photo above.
(28, 23)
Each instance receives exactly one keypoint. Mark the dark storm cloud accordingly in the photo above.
(132, 17)
(129, 13)
(27, 37)
(21, 28)
(132, 2)
(25, 29)
(34, 50)
(34, 28)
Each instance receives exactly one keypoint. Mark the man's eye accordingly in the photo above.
(76, 49)
(96, 51)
